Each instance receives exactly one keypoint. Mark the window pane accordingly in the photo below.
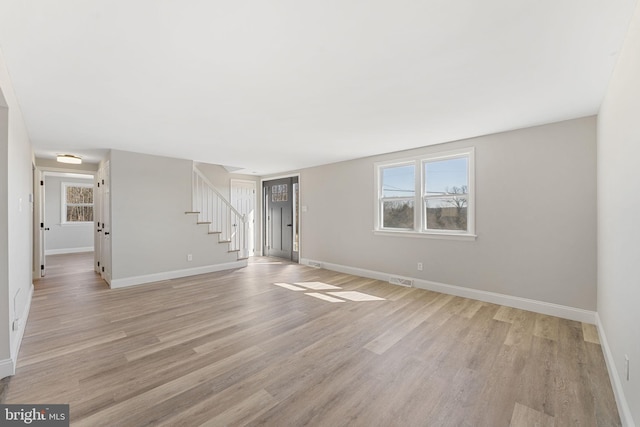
(398, 181)
(279, 193)
(448, 213)
(79, 195)
(444, 177)
(397, 214)
(79, 213)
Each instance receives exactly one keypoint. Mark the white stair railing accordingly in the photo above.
(222, 218)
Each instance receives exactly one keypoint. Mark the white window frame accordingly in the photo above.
(381, 199)
(419, 229)
(63, 202)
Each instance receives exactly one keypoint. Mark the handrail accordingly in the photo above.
(213, 188)
(218, 214)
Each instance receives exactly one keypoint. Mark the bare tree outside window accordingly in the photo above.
(78, 203)
(449, 213)
(446, 195)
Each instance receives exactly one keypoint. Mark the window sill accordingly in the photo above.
(425, 235)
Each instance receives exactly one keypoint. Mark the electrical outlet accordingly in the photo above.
(626, 366)
(189, 257)
(419, 266)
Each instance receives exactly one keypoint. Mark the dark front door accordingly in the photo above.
(279, 218)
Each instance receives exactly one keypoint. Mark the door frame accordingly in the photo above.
(263, 225)
(39, 212)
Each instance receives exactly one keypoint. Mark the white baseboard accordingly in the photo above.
(68, 250)
(176, 274)
(541, 307)
(616, 384)
(8, 366)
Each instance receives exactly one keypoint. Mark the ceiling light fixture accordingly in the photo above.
(69, 158)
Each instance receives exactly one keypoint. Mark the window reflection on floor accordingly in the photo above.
(334, 296)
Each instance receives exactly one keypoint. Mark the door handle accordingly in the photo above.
(289, 225)
(99, 230)
(46, 229)
(106, 233)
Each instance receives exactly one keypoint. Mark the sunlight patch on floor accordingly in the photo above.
(324, 297)
(355, 296)
(290, 287)
(318, 286)
(335, 296)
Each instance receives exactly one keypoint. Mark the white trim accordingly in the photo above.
(69, 250)
(76, 224)
(175, 274)
(74, 175)
(541, 307)
(425, 235)
(8, 366)
(24, 316)
(271, 178)
(623, 407)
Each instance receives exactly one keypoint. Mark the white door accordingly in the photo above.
(43, 226)
(97, 221)
(243, 199)
(105, 203)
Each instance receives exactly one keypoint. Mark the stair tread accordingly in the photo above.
(215, 232)
(224, 241)
(191, 212)
(233, 250)
(203, 222)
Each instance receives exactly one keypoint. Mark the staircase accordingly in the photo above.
(220, 217)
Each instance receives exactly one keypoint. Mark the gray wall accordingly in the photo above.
(618, 213)
(68, 237)
(150, 232)
(53, 165)
(535, 218)
(16, 218)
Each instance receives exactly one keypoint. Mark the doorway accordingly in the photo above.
(63, 216)
(281, 218)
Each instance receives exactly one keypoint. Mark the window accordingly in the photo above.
(427, 195)
(77, 202)
(446, 195)
(397, 200)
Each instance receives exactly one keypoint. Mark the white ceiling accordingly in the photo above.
(271, 86)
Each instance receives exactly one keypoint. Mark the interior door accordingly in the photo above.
(43, 227)
(105, 251)
(243, 199)
(279, 218)
(97, 221)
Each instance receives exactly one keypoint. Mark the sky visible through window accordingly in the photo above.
(398, 181)
(440, 176)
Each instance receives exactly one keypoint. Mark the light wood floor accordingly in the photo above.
(231, 348)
